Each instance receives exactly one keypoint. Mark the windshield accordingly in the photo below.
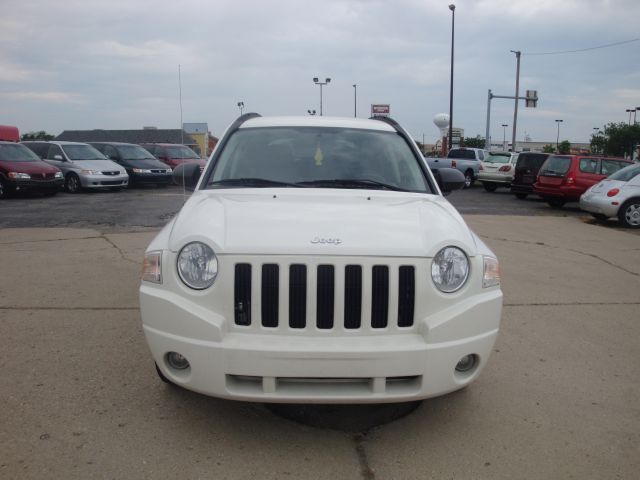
(318, 157)
(82, 152)
(13, 152)
(462, 153)
(627, 173)
(555, 166)
(133, 152)
(181, 152)
(496, 158)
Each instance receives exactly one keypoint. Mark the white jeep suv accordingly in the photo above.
(317, 261)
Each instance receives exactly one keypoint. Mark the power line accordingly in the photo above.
(583, 49)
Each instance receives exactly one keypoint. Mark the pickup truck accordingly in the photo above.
(467, 160)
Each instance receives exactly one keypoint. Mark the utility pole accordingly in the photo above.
(515, 108)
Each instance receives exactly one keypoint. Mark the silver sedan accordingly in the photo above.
(616, 196)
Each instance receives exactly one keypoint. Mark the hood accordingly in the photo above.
(320, 222)
(37, 166)
(102, 165)
(146, 163)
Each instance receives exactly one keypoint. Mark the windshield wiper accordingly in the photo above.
(352, 183)
(251, 182)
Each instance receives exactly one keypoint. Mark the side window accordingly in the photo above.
(611, 166)
(480, 154)
(54, 150)
(589, 165)
(110, 152)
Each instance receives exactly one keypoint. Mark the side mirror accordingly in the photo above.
(449, 179)
(187, 175)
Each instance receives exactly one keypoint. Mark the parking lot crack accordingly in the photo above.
(122, 254)
(365, 469)
(619, 267)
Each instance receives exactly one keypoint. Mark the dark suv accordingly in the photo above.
(526, 171)
(141, 165)
(563, 178)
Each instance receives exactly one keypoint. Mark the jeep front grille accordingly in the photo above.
(320, 306)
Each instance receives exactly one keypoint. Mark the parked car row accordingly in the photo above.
(606, 187)
(48, 166)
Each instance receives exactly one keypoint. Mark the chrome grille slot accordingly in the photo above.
(344, 297)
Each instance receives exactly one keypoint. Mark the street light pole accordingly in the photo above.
(241, 106)
(504, 136)
(355, 100)
(630, 110)
(558, 122)
(515, 108)
(452, 7)
(317, 82)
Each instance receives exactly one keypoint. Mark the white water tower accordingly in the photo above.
(442, 122)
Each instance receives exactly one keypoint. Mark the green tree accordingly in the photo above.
(564, 147)
(618, 139)
(477, 142)
(549, 149)
(41, 135)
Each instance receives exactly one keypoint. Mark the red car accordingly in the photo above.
(563, 178)
(173, 154)
(21, 170)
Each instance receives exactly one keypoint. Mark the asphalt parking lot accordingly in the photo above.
(81, 399)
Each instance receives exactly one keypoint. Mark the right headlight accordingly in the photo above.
(449, 269)
(197, 265)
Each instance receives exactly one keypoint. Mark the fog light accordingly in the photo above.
(466, 363)
(177, 361)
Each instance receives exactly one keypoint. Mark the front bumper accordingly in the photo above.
(315, 366)
(36, 185)
(104, 181)
(151, 178)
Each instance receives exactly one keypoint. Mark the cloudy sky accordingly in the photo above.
(112, 64)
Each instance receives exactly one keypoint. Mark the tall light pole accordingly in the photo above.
(634, 115)
(630, 110)
(596, 134)
(504, 136)
(241, 106)
(317, 82)
(558, 122)
(355, 100)
(515, 108)
(452, 7)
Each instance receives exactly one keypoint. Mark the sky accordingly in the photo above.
(112, 64)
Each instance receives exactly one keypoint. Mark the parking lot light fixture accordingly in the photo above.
(504, 137)
(558, 122)
(318, 82)
(241, 106)
(629, 111)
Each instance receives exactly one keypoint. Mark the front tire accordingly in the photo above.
(72, 183)
(629, 213)
(4, 191)
(521, 196)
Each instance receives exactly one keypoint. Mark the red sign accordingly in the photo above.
(379, 110)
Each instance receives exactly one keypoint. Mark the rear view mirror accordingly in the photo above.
(449, 179)
(187, 175)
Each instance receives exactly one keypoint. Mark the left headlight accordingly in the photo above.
(19, 176)
(449, 269)
(197, 265)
